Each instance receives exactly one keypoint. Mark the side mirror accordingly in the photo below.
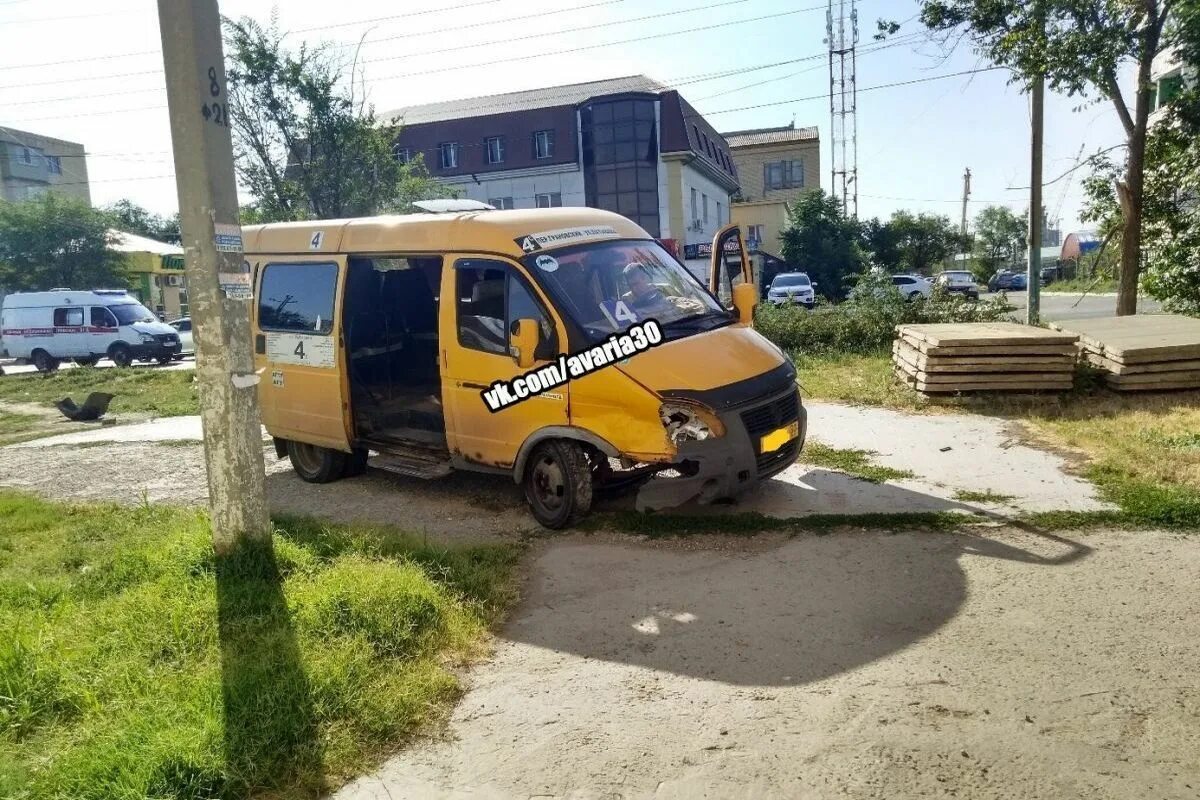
(745, 298)
(523, 342)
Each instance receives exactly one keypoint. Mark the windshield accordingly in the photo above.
(607, 286)
(789, 280)
(129, 313)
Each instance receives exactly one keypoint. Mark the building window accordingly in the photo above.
(1169, 88)
(501, 202)
(448, 151)
(26, 155)
(401, 154)
(754, 236)
(704, 200)
(718, 213)
(548, 200)
(495, 149)
(695, 208)
(297, 297)
(54, 165)
(784, 174)
(543, 144)
(620, 159)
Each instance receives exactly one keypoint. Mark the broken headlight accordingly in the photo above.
(689, 423)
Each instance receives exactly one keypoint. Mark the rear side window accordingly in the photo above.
(68, 317)
(297, 297)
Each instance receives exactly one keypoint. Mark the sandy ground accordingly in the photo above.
(161, 460)
(865, 665)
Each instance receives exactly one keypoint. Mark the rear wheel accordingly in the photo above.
(558, 483)
(44, 362)
(121, 355)
(164, 360)
(316, 464)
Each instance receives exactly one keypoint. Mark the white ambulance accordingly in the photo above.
(47, 328)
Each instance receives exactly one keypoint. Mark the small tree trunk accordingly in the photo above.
(1130, 194)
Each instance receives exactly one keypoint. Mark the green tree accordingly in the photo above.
(54, 241)
(306, 147)
(1081, 47)
(923, 240)
(882, 244)
(1000, 239)
(821, 241)
(132, 218)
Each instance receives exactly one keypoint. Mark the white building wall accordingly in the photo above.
(523, 185)
(694, 179)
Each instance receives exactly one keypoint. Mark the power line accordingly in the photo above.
(74, 16)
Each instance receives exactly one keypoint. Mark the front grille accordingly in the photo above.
(167, 338)
(768, 417)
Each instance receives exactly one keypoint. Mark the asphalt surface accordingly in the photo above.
(1057, 307)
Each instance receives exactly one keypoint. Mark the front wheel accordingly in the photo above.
(558, 483)
(164, 360)
(121, 355)
(316, 464)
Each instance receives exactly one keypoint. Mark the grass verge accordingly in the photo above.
(15, 427)
(852, 462)
(135, 663)
(1141, 449)
(162, 393)
(971, 496)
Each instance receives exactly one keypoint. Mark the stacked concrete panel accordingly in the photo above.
(984, 357)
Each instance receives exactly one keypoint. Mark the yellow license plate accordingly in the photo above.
(778, 438)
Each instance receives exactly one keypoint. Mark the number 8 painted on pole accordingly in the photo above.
(214, 88)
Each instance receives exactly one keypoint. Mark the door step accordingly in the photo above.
(412, 465)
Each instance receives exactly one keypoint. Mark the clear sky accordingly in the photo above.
(105, 88)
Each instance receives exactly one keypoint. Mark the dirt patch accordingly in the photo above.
(866, 665)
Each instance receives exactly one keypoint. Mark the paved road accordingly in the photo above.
(1057, 307)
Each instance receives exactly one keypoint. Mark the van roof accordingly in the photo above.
(61, 297)
(476, 231)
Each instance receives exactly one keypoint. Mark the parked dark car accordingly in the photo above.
(1001, 281)
(1019, 282)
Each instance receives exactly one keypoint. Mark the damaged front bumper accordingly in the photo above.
(752, 450)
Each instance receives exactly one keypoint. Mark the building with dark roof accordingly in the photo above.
(629, 145)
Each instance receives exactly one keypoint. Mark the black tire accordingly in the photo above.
(356, 463)
(913, 296)
(43, 361)
(316, 464)
(90, 361)
(121, 355)
(558, 483)
(164, 360)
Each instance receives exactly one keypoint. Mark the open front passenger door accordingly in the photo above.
(730, 265)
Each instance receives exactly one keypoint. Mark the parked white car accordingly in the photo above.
(47, 328)
(183, 327)
(791, 287)
(912, 286)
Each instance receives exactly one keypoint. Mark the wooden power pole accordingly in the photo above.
(1033, 311)
(966, 197)
(218, 279)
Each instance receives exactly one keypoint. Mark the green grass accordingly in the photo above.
(852, 462)
(1079, 285)
(163, 393)
(1141, 449)
(970, 496)
(135, 663)
(15, 427)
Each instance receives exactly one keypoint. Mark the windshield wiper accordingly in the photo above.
(719, 318)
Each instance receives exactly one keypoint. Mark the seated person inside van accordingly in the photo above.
(649, 300)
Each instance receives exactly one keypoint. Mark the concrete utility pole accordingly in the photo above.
(1033, 312)
(218, 280)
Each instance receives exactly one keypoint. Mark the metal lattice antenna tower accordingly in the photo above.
(842, 36)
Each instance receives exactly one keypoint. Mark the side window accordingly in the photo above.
(103, 318)
(490, 298)
(480, 300)
(68, 317)
(185, 326)
(297, 297)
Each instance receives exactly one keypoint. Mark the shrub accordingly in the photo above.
(866, 323)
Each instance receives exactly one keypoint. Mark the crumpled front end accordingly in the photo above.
(765, 427)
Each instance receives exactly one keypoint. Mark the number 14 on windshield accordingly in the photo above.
(618, 313)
